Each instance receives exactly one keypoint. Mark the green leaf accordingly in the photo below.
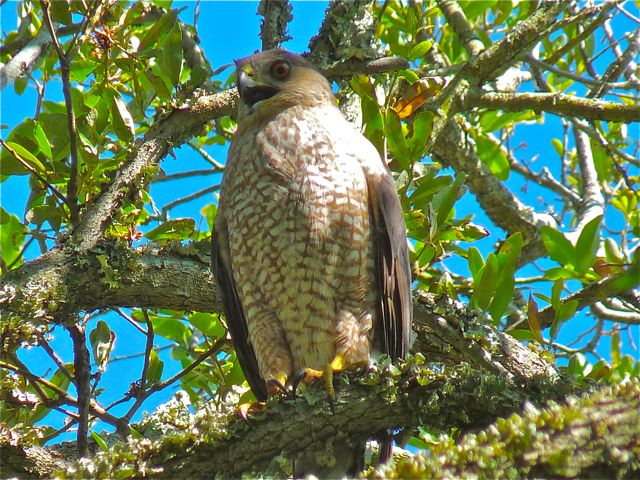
(587, 244)
(557, 245)
(176, 229)
(533, 317)
(27, 157)
(567, 310)
(444, 200)
(503, 293)
(422, 127)
(474, 258)
(123, 124)
(409, 75)
(210, 211)
(579, 365)
(172, 329)
(80, 69)
(475, 8)
(171, 56)
(160, 27)
(522, 334)
(492, 155)
(156, 366)
(507, 263)
(613, 252)
(556, 291)
(396, 140)
(558, 146)
(60, 12)
(419, 50)
(12, 235)
(510, 250)
(427, 186)
(486, 285)
(208, 324)
(101, 443)
(40, 137)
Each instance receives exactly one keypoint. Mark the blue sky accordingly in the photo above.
(229, 30)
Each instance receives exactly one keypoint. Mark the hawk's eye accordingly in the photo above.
(280, 70)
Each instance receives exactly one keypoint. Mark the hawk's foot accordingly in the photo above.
(309, 375)
(244, 409)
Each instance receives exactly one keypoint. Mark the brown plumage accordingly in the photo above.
(310, 249)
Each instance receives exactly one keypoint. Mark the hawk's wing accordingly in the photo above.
(236, 321)
(394, 307)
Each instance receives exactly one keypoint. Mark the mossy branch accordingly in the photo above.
(596, 435)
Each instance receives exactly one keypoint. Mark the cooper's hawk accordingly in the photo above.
(310, 249)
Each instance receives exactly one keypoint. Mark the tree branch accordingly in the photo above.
(276, 15)
(457, 19)
(593, 436)
(447, 331)
(560, 104)
(221, 443)
(65, 69)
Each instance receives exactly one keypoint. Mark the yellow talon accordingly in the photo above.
(245, 408)
(337, 365)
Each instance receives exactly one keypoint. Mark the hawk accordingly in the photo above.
(309, 242)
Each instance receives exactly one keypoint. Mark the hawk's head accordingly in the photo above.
(275, 79)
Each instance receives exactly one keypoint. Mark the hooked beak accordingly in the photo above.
(252, 92)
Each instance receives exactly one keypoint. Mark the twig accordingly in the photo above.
(34, 172)
(130, 320)
(586, 81)
(186, 174)
(72, 184)
(590, 294)
(82, 375)
(130, 356)
(190, 197)
(205, 155)
(618, 66)
(593, 202)
(573, 41)
(56, 359)
(65, 397)
(147, 349)
(143, 395)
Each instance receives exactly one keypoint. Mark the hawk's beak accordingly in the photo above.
(252, 92)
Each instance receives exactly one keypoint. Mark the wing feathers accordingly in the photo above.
(395, 308)
(236, 321)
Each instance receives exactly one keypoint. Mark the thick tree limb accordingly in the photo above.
(65, 282)
(594, 436)
(220, 443)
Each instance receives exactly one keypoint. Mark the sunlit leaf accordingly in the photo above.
(176, 229)
(123, 123)
(558, 246)
(587, 244)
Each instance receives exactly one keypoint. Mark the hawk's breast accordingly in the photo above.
(296, 203)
